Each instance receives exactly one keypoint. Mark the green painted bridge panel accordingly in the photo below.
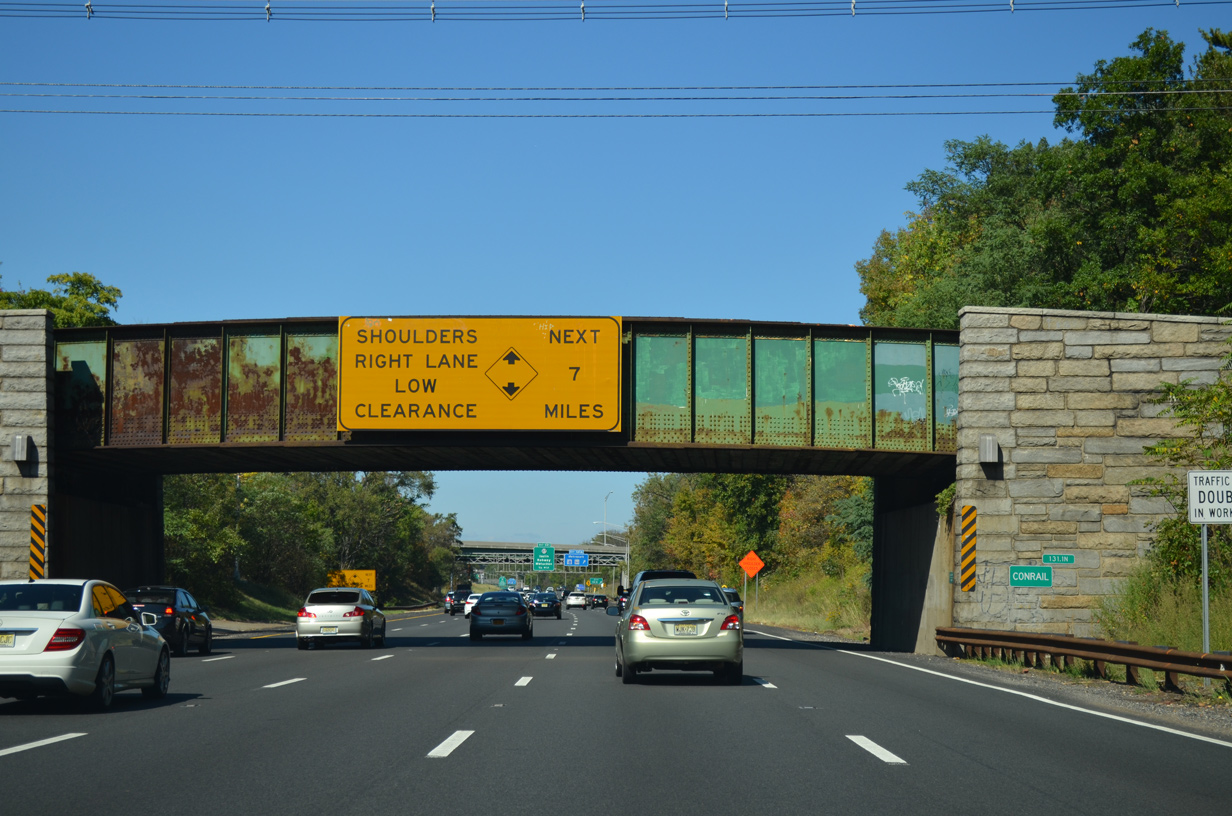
(661, 391)
(721, 385)
(780, 391)
(841, 401)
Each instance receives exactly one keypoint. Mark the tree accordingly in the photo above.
(76, 299)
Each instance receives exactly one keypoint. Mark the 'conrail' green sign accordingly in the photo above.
(1022, 576)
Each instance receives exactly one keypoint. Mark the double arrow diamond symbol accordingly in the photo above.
(511, 373)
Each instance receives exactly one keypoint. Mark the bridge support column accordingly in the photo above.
(109, 526)
(912, 561)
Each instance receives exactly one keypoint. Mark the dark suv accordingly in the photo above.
(454, 602)
(653, 574)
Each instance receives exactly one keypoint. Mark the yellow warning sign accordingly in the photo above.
(364, 579)
(479, 373)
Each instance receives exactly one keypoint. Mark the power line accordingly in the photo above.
(548, 10)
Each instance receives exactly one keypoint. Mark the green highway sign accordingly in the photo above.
(596, 582)
(1024, 576)
(545, 558)
(1058, 558)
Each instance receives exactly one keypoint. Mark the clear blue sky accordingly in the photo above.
(214, 218)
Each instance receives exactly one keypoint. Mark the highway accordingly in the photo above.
(436, 724)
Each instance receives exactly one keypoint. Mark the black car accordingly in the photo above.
(545, 604)
(454, 602)
(598, 600)
(182, 621)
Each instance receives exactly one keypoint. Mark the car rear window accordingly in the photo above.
(333, 596)
(501, 597)
(151, 597)
(40, 598)
(682, 595)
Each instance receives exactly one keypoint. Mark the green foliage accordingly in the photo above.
(76, 299)
(1133, 215)
(816, 601)
(945, 500)
(1164, 613)
(1205, 413)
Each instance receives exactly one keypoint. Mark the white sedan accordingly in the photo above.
(77, 637)
(471, 600)
(575, 599)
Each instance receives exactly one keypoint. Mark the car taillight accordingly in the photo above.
(65, 638)
(520, 611)
(357, 612)
(304, 613)
(731, 622)
(638, 623)
(168, 611)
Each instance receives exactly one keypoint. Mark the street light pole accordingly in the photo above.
(605, 498)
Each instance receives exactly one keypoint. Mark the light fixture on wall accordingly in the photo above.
(22, 447)
(990, 451)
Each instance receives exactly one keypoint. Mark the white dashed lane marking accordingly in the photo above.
(876, 750)
(448, 746)
(286, 682)
(212, 659)
(525, 681)
(552, 656)
(39, 744)
(764, 683)
(399, 629)
(383, 657)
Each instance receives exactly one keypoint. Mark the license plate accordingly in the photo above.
(8, 638)
(686, 629)
(498, 621)
(329, 630)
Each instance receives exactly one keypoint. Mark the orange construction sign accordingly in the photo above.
(752, 564)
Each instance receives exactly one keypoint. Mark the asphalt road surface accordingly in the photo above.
(435, 724)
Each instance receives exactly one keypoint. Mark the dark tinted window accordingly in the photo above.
(40, 597)
(152, 597)
(334, 596)
(654, 595)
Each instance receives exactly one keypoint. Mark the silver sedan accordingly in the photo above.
(339, 613)
(679, 624)
(77, 637)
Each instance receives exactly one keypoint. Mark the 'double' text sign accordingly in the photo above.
(1210, 497)
(479, 373)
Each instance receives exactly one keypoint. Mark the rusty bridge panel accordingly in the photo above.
(194, 401)
(722, 414)
(312, 387)
(780, 391)
(661, 389)
(900, 398)
(254, 387)
(843, 416)
(945, 396)
(81, 383)
(136, 392)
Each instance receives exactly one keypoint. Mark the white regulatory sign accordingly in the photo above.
(1210, 497)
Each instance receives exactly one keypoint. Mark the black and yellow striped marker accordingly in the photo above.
(966, 570)
(38, 541)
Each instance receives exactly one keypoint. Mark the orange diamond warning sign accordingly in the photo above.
(752, 564)
(511, 373)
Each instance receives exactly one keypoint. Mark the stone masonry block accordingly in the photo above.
(38, 384)
(1040, 402)
(983, 384)
(984, 353)
(1201, 377)
(1192, 364)
(974, 336)
(983, 320)
(1165, 332)
(1130, 381)
(1083, 432)
(1036, 488)
(1118, 444)
(1151, 505)
(1152, 350)
(1106, 338)
(25, 369)
(22, 337)
(1143, 364)
(1119, 475)
(1040, 336)
(1083, 368)
(1075, 471)
(1038, 351)
(19, 418)
(1037, 368)
(1119, 324)
(985, 369)
(1094, 418)
(1087, 384)
(1125, 460)
(1096, 493)
(24, 354)
(1030, 385)
(1058, 322)
(37, 401)
(1097, 586)
(28, 320)
(1204, 350)
(986, 523)
(1214, 334)
(1041, 418)
(1048, 527)
(986, 401)
(1158, 428)
(1079, 352)
(1050, 456)
(985, 419)
(1027, 321)
(1075, 512)
(1067, 601)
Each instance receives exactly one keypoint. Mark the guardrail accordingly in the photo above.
(1036, 650)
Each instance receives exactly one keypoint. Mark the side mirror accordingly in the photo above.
(612, 610)
(148, 619)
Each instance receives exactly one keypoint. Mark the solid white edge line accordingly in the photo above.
(40, 743)
(285, 682)
(876, 750)
(212, 659)
(767, 634)
(1040, 699)
(447, 747)
(383, 657)
(525, 681)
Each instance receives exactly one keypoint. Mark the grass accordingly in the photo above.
(816, 602)
(1165, 614)
(258, 603)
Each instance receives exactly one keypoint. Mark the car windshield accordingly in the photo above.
(333, 596)
(681, 595)
(40, 598)
(151, 597)
(732, 595)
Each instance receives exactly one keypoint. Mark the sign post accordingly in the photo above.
(1210, 502)
(752, 565)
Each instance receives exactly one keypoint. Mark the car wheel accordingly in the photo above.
(618, 670)
(529, 633)
(476, 635)
(104, 685)
(735, 674)
(207, 645)
(381, 638)
(628, 675)
(557, 616)
(365, 640)
(162, 678)
(301, 644)
(181, 647)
